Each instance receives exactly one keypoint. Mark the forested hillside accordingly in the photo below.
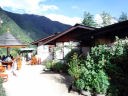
(37, 26)
(29, 27)
(9, 24)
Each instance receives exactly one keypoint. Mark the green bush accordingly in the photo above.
(58, 66)
(103, 70)
(79, 83)
(100, 82)
(49, 64)
(74, 67)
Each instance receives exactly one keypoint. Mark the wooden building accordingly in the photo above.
(106, 35)
(58, 45)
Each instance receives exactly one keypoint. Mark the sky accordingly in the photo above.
(65, 11)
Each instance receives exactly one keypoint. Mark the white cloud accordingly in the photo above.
(64, 19)
(49, 7)
(38, 7)
(29, 6)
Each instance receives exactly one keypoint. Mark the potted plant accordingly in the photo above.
(100, 83)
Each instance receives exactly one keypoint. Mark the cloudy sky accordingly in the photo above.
(65, 11)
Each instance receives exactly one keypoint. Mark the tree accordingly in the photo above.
(106, 17)
(123, 17)
(88, 20)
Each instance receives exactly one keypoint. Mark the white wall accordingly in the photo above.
(43, 52)
(64, 48)
(58, 50)
(61, 50)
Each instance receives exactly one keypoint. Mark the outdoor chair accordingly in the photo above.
(4, 76)
(2, 68)
(34, 60)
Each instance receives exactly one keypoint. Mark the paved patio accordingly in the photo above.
(32, 81)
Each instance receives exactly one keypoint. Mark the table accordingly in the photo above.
(8, 64)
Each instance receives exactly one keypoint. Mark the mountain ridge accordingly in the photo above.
(9, 24)
(36, 26)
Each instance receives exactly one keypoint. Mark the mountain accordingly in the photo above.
(9, 24)
(29, 26)
(35, 26)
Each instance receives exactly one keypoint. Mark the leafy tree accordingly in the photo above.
(88, 20)
(106, 17)
(123, 17)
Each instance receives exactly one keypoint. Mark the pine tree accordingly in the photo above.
(88, 20)
(123, 17)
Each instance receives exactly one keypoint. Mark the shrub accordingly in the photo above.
(74, 67)
(100, 82)
(104, 68)
(49, 64)
(58, 66)
(79, 83)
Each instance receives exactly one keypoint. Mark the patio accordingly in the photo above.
(32, 81)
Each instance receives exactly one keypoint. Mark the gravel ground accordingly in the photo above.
(32, 81)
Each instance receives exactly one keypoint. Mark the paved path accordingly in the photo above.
(31, 81)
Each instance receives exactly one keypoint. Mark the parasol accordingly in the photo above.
(7, 40)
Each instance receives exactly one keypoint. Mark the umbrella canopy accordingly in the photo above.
(7, 40)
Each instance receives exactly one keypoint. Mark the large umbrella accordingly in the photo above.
(7, 40)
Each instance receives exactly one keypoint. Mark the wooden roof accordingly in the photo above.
(72, 34)
(108, 32)
(86, 35)
(119, 29)
(43, 39)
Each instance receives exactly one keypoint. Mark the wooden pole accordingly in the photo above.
(8, 51)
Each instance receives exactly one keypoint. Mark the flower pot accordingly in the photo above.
(85, 93)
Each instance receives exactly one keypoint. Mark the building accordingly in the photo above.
(58, 45)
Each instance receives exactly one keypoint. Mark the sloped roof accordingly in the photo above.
(8, 40)
(88, 34)
(43, 39)
(77, 30)
(118, 29)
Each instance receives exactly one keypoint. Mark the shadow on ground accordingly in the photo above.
(59, 77)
